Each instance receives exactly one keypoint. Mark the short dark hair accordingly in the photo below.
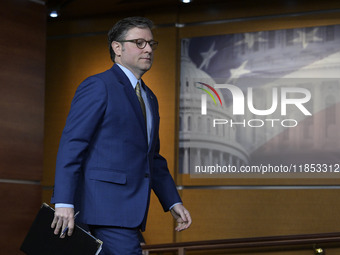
(120, 29)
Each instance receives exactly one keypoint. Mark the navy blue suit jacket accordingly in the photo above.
(105, 164)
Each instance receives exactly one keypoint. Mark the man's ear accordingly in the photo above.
(117, 48)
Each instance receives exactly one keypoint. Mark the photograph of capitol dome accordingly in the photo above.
(199, 141)
(290, 81)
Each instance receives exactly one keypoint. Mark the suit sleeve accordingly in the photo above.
(162, 182)
(87, 109)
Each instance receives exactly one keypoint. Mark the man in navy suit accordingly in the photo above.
(108, 159)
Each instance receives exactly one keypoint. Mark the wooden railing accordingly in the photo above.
(315, 242)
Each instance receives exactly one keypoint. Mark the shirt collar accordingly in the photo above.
(130, 75)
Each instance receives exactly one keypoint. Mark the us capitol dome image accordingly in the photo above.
(200, 143)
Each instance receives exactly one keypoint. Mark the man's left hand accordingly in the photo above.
(182, 216)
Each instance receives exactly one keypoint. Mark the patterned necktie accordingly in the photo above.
(140, 99)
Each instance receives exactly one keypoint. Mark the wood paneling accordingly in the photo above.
(22, 88)
(243, 25)
(224, 214)
(330, 251)
(250, 8)
(19, 205)
(22, 79)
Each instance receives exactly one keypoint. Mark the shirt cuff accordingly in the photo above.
(179, 203)
(58, 205)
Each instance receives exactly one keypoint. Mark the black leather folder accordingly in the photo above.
(40, 239)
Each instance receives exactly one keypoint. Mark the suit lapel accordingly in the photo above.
(131, 96)
(153, 110)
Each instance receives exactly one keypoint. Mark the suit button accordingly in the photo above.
(146, 175)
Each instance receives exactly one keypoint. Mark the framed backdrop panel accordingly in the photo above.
(261, 105)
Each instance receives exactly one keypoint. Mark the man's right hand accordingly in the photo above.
(63, 218)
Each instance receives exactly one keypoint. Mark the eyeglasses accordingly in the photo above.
(141, 43)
